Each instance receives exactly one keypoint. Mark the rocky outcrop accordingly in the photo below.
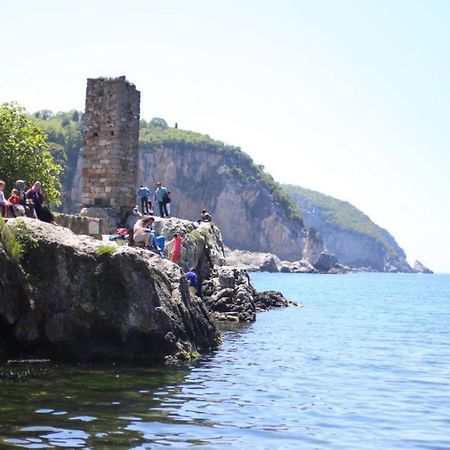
(267, 300)
(301, 266)
(266, 262)
(229, 295)
(202, 243)
(71, 297)
(325, 262)
(252, 261)
(421, 268)
(314, 246)
(348, 233)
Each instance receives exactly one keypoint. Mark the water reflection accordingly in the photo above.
(81, 407)
(47, 405)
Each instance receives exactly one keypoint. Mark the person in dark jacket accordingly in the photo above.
(36, 198)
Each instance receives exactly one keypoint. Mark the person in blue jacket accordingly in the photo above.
(162, 197)
(144, 194)
(193, 281)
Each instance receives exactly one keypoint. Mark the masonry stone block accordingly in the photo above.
(111, 143)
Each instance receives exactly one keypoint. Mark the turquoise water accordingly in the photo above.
(365, 364)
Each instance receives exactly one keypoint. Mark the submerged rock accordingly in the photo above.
(71, 297)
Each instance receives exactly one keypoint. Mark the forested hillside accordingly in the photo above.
(347, 232)
(64, 131)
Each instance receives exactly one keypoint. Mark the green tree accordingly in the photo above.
(158, 122)
(24, 152)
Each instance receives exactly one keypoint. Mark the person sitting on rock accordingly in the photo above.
(5, 205)
(136, 211)
(205, 216)
(36, 198)
(142, 232)
(14, 199)
(20, 185)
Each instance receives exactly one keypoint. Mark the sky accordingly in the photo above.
(347, 97)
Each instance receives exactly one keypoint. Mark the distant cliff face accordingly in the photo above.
(348, 233)
(242, 206)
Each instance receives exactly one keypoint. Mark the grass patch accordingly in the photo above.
(12, 246)
(106, 249)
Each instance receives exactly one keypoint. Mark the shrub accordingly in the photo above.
(105, 249)
(10, 242)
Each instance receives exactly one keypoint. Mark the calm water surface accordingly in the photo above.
(365, 364)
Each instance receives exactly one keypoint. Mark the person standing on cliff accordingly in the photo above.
(144, 194)
(162, 197)
(176, 243)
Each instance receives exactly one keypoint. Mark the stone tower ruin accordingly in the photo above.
(110, 155)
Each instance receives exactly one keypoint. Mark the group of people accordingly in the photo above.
(161, 197)
(143, 232)
(23, 202)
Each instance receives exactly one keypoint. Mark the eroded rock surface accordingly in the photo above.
(66, 298)
(267, 300)
(229, 294)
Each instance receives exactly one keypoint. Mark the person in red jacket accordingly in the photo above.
(14, 200)
(175, 253)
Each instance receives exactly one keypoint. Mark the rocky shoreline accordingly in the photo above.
(71, 297)
(267, 262)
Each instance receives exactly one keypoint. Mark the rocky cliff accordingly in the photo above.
(241, 202)
(67, 296)
(348, 233)
(72, 297)
(250, 209)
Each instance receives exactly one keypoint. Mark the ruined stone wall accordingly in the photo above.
(110, 155)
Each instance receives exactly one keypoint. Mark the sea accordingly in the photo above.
(363, 363)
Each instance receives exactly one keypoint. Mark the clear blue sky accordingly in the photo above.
(350, 98)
